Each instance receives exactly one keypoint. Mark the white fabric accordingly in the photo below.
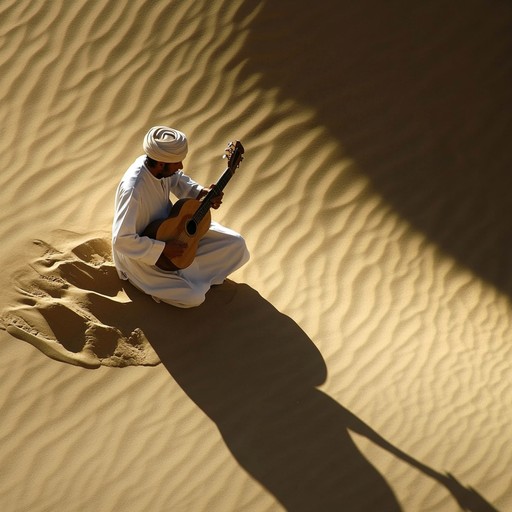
(165, 144)
(140, 199)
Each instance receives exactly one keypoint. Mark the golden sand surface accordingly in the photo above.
(362, 359)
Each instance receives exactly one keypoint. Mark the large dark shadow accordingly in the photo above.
(248, 367)
(255, 373)
(418, 94)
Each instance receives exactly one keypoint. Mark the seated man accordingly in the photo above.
(143, 196)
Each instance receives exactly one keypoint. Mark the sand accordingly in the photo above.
(362, 360)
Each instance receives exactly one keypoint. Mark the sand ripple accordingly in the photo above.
(374, 199)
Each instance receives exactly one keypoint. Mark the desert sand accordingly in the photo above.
(362, 359)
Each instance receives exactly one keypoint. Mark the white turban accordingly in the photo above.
(165, 144)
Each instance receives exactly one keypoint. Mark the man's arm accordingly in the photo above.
(125, 238)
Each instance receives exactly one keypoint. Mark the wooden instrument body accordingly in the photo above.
(180, 225)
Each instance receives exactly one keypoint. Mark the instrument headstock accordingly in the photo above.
(234, 152)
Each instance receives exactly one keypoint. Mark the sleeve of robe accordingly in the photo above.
(125, 237)
(184, 186)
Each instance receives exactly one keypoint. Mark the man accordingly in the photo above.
(143, 195)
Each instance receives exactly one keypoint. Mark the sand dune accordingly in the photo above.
(362, 359)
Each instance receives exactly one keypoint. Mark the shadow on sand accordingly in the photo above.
(255, 373)
(418, 94)
(250, 368)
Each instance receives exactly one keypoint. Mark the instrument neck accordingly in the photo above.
(206, 203)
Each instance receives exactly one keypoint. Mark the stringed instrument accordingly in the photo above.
(190, 218)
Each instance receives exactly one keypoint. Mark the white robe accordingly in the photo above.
(140, 199)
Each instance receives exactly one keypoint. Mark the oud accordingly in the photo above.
(190, 218)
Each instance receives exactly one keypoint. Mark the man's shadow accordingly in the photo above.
(255, 374)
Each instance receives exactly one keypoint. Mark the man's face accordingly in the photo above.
(169, 169)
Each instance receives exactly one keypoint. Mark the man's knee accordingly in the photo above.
(243, 250)
(191, 299)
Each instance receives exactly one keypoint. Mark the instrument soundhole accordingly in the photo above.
(191, 227)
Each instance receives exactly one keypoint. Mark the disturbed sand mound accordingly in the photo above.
(56, 297)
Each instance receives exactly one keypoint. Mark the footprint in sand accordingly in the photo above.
(52, 312)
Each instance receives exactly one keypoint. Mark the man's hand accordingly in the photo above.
(174, 248)
(216, 201)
